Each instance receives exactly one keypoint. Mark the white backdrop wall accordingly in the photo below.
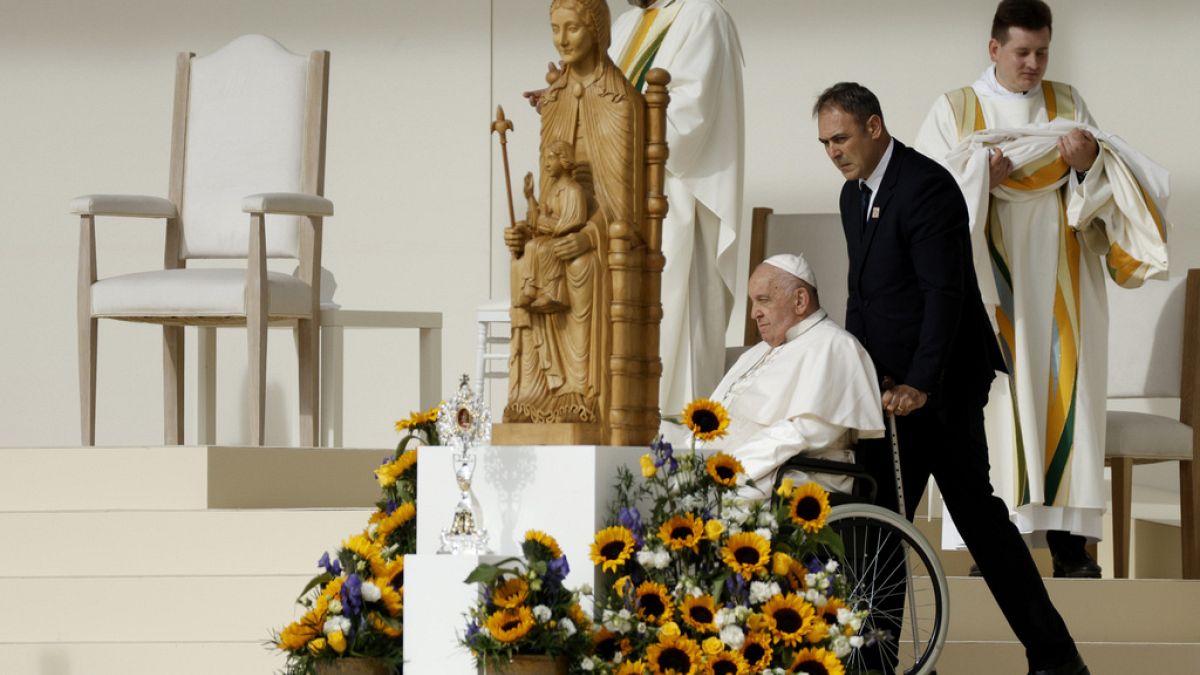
(416, 178)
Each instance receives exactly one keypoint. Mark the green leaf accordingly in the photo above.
(319, 580)
(830, 539)
(486, 574)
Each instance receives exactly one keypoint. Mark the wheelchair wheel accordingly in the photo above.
(885, 554)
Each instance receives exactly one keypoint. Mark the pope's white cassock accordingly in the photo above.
(1043, 242)
(697, 43)
(816, 393)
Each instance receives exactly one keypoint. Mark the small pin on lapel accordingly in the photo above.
(874, 213)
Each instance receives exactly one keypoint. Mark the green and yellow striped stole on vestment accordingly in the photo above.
(643, 46)
(1064, 340)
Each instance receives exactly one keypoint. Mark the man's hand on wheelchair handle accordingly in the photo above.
(903, 400)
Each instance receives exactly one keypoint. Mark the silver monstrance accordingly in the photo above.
(463, 423)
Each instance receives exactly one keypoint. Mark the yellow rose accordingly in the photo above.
(713, 646)
(713, 530)
(648, 468)
(670, 629)
(337, 640)
(755, 622)
(782, 563)
(785, 488)
(316, 646)
(818, 633)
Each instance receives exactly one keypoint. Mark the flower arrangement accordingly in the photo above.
(524, 608)
(354, 608)
(713, 580)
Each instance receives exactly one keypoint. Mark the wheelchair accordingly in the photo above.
(893, 572)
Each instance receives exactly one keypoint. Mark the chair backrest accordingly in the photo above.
(1145, 339)
(249, 118)
(819, 237)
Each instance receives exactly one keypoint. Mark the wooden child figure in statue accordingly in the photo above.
(586, 262)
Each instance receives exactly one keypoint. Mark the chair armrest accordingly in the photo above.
(130, 206)
(293, 203)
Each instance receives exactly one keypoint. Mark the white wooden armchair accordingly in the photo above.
(247, 141)
(1154, 352)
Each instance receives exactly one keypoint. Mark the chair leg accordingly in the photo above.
(1122, 488)
(87, 380)
(206, 385)
(256, 327)
(173, 360)
(308, 339)
(1189, 506)
(331, 385)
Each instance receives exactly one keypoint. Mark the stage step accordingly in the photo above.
(186, 477)
(142, 658)
(1103, 658)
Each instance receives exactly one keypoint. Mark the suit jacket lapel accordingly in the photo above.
(887, 188)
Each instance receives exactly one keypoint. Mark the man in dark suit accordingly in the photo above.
(915, 306)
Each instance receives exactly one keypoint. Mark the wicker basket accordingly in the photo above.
(529, 665)
(355, 665)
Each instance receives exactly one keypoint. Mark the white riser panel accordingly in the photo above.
(1007, 658)
(155, 543)
(161, 609)
(220, 658)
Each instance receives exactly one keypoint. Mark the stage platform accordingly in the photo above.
(182, 560)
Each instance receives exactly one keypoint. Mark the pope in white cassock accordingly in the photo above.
(1055, 205)
(697, 43)
(808, 387)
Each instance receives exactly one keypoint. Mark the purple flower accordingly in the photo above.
(815, 565)
(333, 568)
(558, 569)
(631, 518)
(352, 596)
(390, 507)
(664, 454)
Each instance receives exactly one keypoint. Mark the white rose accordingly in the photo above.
(764, 532)
(335, 606)
(370, 592)
(733, 636)
(759, 592)
(661, 559)
(541, 613)
(587, 664)
(856, 641)
(810, 580)
(844, 616)
(725, 616)
(765, 518)
(567, 626)
(811, 595)
(841, 646)
(336, 623)
(831, 566)
(645, 557)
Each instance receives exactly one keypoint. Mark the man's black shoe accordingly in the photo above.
(1075, 666)
(1082, 567)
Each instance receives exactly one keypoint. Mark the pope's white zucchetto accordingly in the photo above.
(794, 265)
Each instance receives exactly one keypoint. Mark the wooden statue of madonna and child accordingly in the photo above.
(587, 260)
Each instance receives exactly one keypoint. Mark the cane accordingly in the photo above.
(888, 384)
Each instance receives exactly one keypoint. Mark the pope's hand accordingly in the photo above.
(903, 400)
(1079, 149)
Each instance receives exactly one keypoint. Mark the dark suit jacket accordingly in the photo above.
(914, 299)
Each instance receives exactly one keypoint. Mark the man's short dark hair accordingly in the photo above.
(852, 98)
(1032, 15)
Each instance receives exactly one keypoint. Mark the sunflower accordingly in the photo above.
(809, 507)
(388, 473)
(606, 644)
(816, 662)
(830, 611)
(654, 602)
(299, 634)
(789, 618)
(392, 599)
(580, 617)
(757, 652)
(681, 532)
(700, 613)
(612, 547)
(724, 469)
(679, 655)
(416, 418)
(510, 625)
(511, 593)
(545, 540)
(707, 420)
(727, 663)
(403, 514)
(631, 668)
(746, 553)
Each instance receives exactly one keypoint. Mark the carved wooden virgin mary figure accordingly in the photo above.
(562, 364)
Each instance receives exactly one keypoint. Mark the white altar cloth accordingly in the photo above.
(563, 490)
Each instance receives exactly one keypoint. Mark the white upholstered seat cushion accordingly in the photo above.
(1135, 434)
(195, 292)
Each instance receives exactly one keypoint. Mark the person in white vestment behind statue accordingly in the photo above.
(1055, 205)
(808, 387)
(697, 43)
